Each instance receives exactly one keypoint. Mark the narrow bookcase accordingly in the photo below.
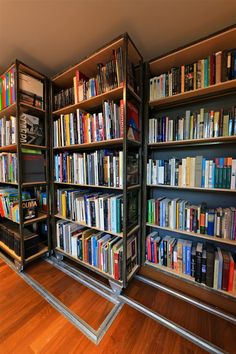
(96, 158)
(168, 146)
(24, 188)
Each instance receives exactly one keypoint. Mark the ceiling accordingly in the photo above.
(51, 35)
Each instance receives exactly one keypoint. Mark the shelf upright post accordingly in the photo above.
(19, 155)
(125, 214)
(47, 155)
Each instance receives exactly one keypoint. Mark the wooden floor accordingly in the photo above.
(28, 324)
(207, 326)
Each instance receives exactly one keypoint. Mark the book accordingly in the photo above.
(31, 130)
(31, 90)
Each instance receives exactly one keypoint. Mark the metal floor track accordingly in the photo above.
(118, 300)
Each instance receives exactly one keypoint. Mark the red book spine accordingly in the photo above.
(155, 252)
(4, 91)
(149, 252)
(121, 118)
(116, 265)
(231, 274)
(212, 69)
(225, 275)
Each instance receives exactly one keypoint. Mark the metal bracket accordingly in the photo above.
(117, 289)
(18, 265)
(59, 256)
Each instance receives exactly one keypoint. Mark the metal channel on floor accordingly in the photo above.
(119, 300)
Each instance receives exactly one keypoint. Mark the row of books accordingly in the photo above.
(109, 76)
(81, 127)
(64, 98)
(179, 214)
(7, 131)
(98, 249)
(193, 172)
(217, 67)
(7, 89)
(202, 263)
(193, 125)
(8, 167)
(9, 205)
(10, 236)
(103, 211)
(99, 168)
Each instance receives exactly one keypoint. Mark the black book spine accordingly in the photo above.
(198, 273)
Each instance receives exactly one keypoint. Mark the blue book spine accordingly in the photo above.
(206, 72)
(113, 215)
(210, 223)
(152, 250)
(118, 204)
(188, 259)
(161, 253)
(230, 124)
(184, 257)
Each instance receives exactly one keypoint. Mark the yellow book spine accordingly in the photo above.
(180, 176)
(67, 119)
(188, 171)
(63, 205)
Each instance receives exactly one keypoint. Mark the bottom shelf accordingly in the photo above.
(189, 279)
(43, 249)
(89, 266)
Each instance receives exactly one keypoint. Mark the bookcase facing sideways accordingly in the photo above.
(96, 159)
(189, 223)
(24, 161)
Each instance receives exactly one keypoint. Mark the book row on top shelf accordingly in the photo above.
(97, 108)
(189, 234)
(24, 159)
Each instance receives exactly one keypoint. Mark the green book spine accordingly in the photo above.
(224, 177)
(228, 177)
(149, 212)
(220, 177)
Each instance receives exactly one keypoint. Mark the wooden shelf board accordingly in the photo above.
(9, 183)
(95, 186)
(30, 71)
(197, 94)
(194, 51)
(88, 65)
(10, 148)
(32, 184)
(98, 144)
(89, 266)
(34, 147)
(41, 217)
(194, 234)
(8, 111)
(192, 188)
(38, 254)
(218, 140)
(58, 216)
(91, 102)
(28, 107)
(9, 251)
(188, 279)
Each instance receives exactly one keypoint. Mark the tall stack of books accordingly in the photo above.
(98, 249)
(193, 125)
(215, 68)
(193, 172)
(7, 131)
(202, 263)
(7, 89)
(179, 214)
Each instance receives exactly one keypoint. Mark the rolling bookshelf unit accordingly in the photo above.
(123, 88)
(214, 97)
(28, 229)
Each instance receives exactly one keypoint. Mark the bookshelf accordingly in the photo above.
(214, 97)
(120, 88)
(24, 234)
